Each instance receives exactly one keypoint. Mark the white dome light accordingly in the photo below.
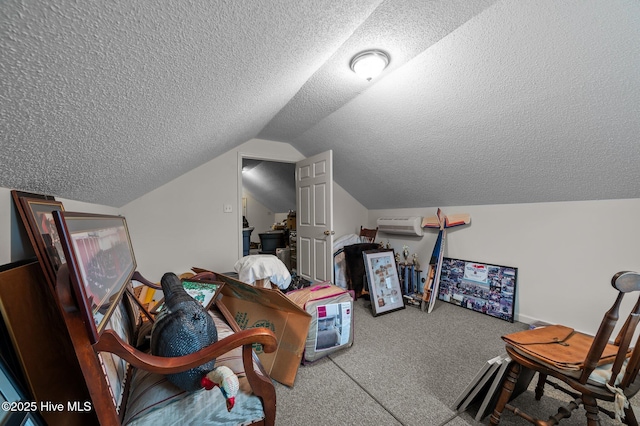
(369, 64)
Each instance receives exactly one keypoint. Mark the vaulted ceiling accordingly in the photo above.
(271, 183)
(483, 102)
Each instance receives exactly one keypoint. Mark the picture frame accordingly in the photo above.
(205, 292)
(482, 287)
(36, 214)
(101, 263)
(384, 283)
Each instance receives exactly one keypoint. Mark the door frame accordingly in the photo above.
(250, 156)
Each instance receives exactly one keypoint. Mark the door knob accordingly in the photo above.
(329, 232)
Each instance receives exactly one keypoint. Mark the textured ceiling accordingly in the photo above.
(484, 102)
(273, 184)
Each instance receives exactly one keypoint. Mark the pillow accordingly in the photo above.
(151, 392)
(602, 374)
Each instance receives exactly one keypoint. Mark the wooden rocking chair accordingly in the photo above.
(593, 368)
(128, 386)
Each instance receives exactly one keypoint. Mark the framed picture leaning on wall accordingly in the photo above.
(100, 260)
(36, 214)
(384, 284)
(481, 287)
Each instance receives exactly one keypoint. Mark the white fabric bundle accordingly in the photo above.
(263, 266)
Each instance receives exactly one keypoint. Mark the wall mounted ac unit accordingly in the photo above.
(401, 225)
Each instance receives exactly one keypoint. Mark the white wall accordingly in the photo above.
(566, 253)
(80, 206)
(181, 224)
(7, 234)
(348, 214)
(260, 217)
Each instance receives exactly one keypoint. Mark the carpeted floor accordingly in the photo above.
(406, 368)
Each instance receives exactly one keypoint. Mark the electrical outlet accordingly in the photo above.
(227, 208)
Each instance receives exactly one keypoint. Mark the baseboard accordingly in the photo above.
(526, 319)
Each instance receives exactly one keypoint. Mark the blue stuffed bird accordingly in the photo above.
(182, 327)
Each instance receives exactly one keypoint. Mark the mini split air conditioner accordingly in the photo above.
(401, 225)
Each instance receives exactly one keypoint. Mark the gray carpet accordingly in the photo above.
(407, 368)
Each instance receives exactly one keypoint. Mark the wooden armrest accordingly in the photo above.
(111, 342)
(203, 274)
(137, 276)
(260, 383)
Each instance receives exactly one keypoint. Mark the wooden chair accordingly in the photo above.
(609, 371)
(127, 385)
(368, 235)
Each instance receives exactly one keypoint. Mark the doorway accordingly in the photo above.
(268, 195)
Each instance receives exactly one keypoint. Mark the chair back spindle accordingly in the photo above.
(601, 338)
(368, 235)
(590, 368)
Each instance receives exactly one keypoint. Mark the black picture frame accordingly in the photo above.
(101, 263)
(482, 287)
(384, 283)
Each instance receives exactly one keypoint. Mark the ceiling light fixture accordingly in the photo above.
(369, 64)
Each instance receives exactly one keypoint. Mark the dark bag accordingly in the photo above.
(355, 265)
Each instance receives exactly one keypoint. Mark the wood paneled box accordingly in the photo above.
(41, 342)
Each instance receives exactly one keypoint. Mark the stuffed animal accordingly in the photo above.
(182, 327)
(226, 380)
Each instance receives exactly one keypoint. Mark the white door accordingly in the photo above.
(314, 227)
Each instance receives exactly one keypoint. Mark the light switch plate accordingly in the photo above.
(227, 208)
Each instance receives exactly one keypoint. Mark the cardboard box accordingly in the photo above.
(291, 223)
(331, 310)
(260, 307)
